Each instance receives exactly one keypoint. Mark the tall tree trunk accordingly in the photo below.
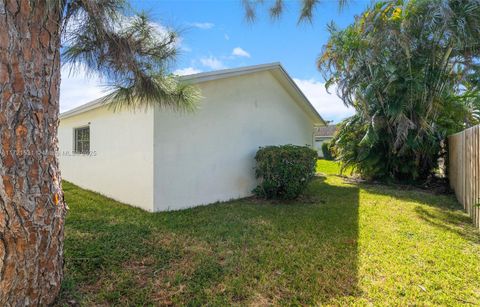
(32, 210)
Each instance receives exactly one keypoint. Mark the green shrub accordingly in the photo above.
(284, 171)
(327, 151)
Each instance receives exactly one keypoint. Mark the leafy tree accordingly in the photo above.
(410, 70)
(104, 37)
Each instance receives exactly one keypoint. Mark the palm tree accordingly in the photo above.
(307, 8)
(410, 70)
(100, 36)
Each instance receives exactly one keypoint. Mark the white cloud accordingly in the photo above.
(77, 89)
(162, 32)
(185, 48)
(212, 63)
(202, 25)
(161, 29)
(330, 106)
(240, 52)
(187, 71)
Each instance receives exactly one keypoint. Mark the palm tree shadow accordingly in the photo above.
(440, 211)
(447, 220)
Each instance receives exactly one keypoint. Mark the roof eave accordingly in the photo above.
(219, 74)
(321, 121)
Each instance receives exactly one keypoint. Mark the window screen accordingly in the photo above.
(82, 140)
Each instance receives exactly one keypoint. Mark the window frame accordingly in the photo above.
(75, 141)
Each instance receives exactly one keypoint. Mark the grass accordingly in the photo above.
(328, 167)
(341, 244)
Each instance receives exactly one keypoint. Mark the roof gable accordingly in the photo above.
(276, 68)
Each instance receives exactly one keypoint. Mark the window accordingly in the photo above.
(82, 140)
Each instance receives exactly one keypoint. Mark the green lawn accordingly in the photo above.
(341, 244)
(326, 167)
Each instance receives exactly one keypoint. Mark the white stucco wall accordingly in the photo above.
(208, 156)
(121, 164)
(318, 147)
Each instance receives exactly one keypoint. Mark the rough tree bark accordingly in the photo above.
(32, 210)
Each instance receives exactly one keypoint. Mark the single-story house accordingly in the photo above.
(158, 159)
(323, 134)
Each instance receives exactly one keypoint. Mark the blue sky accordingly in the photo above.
(215, 35)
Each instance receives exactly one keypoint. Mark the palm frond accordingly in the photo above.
(406, 67)
(163, 91)
(307, 9)
(130, 52)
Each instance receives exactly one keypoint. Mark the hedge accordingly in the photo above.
(284, 171)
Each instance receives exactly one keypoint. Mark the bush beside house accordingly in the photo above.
(284, 171)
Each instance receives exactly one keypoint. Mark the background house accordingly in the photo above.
(158, 159)
(323, 134)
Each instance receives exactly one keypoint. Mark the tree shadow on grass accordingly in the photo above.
(440, 211)
(105, 243)
(244, 251)
(446, 220)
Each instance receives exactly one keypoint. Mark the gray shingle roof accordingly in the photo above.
(326, 131)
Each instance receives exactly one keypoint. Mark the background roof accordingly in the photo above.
(326, 131)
